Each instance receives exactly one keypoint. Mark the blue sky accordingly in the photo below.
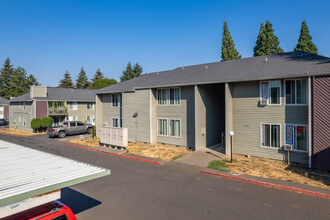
(48, 37)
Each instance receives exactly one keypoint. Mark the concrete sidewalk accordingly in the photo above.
(202, 157)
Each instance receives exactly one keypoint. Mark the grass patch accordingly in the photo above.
(176, 157)
(228, 160)
(19, 132)
(89, 142)
(218, 165)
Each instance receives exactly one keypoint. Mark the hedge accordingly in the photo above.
(46, 122)
(35, 123)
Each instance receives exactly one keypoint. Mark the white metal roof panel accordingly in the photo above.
(25, 172)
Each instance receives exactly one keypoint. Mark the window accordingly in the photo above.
(1, 108)
(271, 92)
(19, 119)
(72, 105)
(24, 106)
(79, 123)
(162, 96)
(296, 135)
(115, 100)
(296, 91)
(162, 127)
(73, 118)
(24, 121)
(175, 128)
(115, 123)
(73, 124)
(90, 105)
(175, 96)
(90, 119)
(270, 135)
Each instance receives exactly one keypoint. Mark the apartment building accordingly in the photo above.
(4, 108)
(61, 104)
(268, 102)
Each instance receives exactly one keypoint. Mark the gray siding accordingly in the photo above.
(139, 127)
(16, 112)
(248, 115)
(184, 112)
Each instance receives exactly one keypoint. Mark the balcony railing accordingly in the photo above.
(57, 111)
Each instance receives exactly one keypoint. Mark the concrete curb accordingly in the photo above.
(114, 154)
(277, 186)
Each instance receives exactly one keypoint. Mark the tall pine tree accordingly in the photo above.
(98, 75)
(67, 81)
(305, 40)
(137, 70)
(82, 80)
(5, 78)
(127, 73)
(267, 42)
(228, 51)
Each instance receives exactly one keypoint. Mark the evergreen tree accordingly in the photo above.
(305, 40)
(137, 70)
(267, 42)
(228, 51)
(82, 80)
(67, 81)
(98, 75)
(101, 83)
(127, 73)
(5, 78)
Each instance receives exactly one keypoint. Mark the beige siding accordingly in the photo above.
(99, 114)
(109, 112)
(185, 113)
(81, 112)
(137, 102)
(17, 113)
(248, 115)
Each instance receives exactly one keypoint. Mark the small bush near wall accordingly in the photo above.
(46, 122)
(35, 124)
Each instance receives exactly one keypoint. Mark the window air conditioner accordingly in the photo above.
(288, 147)
(263, 102)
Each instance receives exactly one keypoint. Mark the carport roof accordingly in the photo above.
(279, 66)
(26, 172)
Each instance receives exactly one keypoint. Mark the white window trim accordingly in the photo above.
(24, 106)
(74, 118)
(260, 140)
(301, 151)
(169, 127)
(167, 95)
(112, 122)
(24, 121)
(1, 108)
(92, 105)
(119, 100)
(166, 127)
(296, 92)
(268, 100)
(73, 104)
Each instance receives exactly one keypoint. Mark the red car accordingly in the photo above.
(50, 211)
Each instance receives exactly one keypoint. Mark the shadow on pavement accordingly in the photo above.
(77, 201)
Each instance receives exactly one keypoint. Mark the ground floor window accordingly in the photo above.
(162, 127)
(90, 119)
(175, 128)
(296, 135)
(270, 135)
(73, 118)
(24, 121)
(116, 123)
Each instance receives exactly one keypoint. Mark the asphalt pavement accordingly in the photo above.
(137, 190)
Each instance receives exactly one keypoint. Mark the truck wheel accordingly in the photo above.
(61, 134)
(90, 130)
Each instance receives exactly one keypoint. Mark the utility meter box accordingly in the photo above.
(114, 136)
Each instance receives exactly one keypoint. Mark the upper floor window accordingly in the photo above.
(90, 105)
(1, 108)
(175, 96)
(270, 92)
(162, 96)
(72, 105)
(115, 100)
(296, 91)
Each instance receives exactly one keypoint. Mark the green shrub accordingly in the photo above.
(46, 122)
(35, 123)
